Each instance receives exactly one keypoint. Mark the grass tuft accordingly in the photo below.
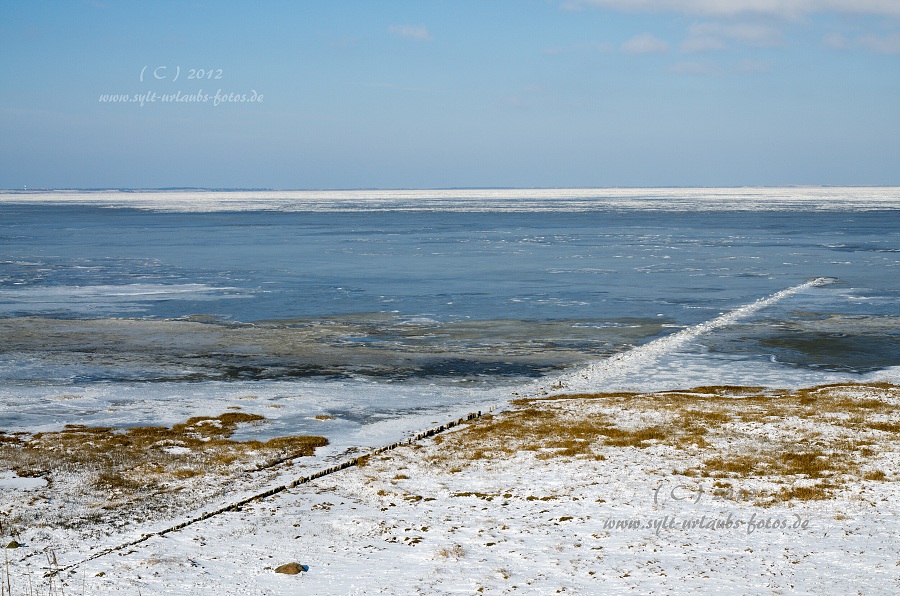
(827, 434)
(119, 468)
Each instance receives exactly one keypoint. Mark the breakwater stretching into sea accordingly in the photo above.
(138, 307)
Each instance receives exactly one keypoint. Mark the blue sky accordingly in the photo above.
(434, 94)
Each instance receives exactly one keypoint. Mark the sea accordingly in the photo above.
(387, 310)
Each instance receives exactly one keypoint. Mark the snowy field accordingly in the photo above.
(648, 497)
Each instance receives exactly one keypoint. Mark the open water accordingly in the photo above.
(124, 307)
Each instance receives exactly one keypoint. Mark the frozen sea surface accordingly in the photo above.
(135, 307)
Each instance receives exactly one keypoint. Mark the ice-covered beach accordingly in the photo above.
(691, 390)
(440, 518)
(719, 489)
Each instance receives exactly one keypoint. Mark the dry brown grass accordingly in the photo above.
(455, 552)
(149, 454)
(820, 437)
(119, 467)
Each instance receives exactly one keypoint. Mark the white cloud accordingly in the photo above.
(753, 66)
(703, 34)
(836, 41)
(707, 36)
(702, 44)
(883, 44)
(415, 32)
(780, 8)
(645, 43)
(754, 35)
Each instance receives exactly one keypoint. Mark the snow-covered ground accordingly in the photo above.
(432, 518)
(357, 541)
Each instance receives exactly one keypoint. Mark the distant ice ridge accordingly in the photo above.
(621, 370)
(478, 200)
(151, 291)
(96, 298)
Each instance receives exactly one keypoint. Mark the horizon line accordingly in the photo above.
(410, 188)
